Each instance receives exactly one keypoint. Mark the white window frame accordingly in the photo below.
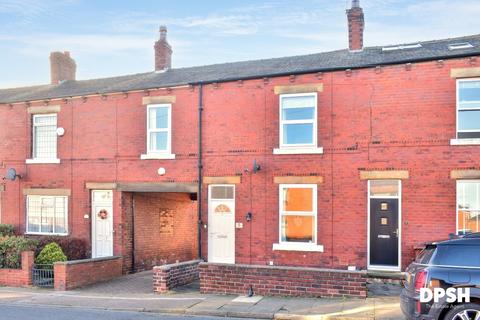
(303, 148)
(159, 154)
(458, 198)
(458, 140)
(298, 246)
(34, 158)
(47, 233)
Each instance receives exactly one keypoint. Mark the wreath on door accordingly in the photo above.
(102, 214)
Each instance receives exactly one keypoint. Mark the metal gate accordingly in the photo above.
(42, 275)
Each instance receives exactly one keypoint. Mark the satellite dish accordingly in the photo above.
(12, 174)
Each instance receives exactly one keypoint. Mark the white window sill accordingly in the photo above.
(46, 234)
(302, 150)
(157, 156)
(41, 161)
(298, 247)
(465, 142)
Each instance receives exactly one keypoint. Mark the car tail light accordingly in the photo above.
(421, 280)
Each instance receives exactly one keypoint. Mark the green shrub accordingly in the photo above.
(50, 254)
(6, 230)
(11, 249)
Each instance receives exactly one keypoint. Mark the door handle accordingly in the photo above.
(396, 232)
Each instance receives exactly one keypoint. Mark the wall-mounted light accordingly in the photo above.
(60, 131)
(248, 216)
(161, 171)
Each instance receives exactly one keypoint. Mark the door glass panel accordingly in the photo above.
(384, 188)
(221, 192)
(221, 208)
(298, 199)
(297, 228)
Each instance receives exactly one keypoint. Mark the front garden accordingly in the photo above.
(46, 251)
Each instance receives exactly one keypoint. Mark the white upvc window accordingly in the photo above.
(44, 139)
(159, 132)
(298, 218)
(47, 215)
(298, 124)
(468, 108)
(468, 206)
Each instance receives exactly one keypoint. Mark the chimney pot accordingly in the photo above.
(356, 25)
(62, 67)
(163, 51)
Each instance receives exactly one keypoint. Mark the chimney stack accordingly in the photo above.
(62, 67)
(356, 25)
(163, 52)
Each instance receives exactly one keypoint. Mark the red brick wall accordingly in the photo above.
(391, 117)
(165, 229)
(79, 273)
(171, 276)
(281, 281)
(19, 277)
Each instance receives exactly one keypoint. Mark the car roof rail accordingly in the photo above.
(472, 235)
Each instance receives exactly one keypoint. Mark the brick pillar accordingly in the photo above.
(28, 259)
(60, 276)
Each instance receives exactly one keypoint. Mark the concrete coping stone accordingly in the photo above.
(361, 272)
(178, 264)
(89, 260)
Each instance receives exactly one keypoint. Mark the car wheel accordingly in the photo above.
(468, 311)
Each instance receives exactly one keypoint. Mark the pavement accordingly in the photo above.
(133, 293)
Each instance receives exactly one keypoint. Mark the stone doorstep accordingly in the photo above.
(246, 299)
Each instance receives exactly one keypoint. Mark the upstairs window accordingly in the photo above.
(298, 120)
(468, 108)
(44, 131)
(159, 133)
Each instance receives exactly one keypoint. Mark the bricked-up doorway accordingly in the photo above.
(164, 229)
(384, 216)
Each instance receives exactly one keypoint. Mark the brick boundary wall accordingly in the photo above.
(79, 273)
(281, 281)
(169, 276)
(19, 277)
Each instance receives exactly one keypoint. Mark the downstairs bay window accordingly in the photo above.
(298, 218)
(47, 215)
(468, 206)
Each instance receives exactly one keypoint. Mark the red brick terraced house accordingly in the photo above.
(332, 160)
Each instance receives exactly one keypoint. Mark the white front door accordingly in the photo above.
(221, 223)
(102, 223)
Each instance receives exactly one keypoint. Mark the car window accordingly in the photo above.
(457, 255)
(425, 255)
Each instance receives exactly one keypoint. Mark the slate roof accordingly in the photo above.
(326, 61)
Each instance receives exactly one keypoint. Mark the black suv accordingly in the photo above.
(447, 264)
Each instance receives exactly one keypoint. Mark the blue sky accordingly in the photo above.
(108, 37)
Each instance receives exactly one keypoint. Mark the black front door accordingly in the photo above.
(384, 232)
